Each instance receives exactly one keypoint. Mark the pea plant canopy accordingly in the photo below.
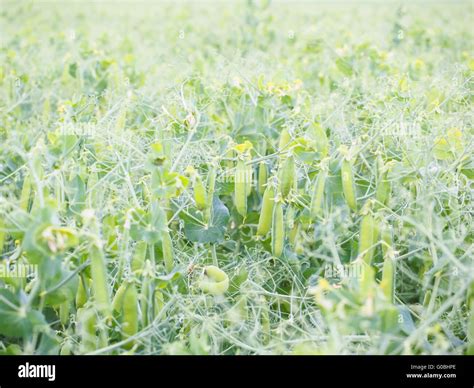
(236, 178)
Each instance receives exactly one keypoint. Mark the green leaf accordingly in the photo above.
(148, 226)
(76, 192)
(15, 321)
(212, 233)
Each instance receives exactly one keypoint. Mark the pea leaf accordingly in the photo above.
(212, 233)
(148, 226)
(14, 320)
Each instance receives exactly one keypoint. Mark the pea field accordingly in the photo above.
(236, 177)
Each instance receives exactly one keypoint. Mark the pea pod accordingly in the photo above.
(64, 310)
(139, 256)
(117, 301)
(215, 281)
(25, 193)
(368, 237)
(145, 300)
(99, 280)
(262, 177)
(229, 156)
(167, 246)
(293, 233)
(200, 194)
(386, 284)
(130, 314)
(211, 183)
(348, 186)
(86, 328)
(158, 303)
(287, 176)
(278, 230)
(387, 240)
(266, 213)
(240, 188)
(81, 294)
(384, 187)
(322, 142)
(285, 139)
(318, 192)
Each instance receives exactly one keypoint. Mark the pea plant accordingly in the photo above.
(248, 178)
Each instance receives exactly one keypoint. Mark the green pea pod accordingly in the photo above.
(130, 314)
(318, 193)
(229, 156)
(285, 139)
(384, 187)
(81, 294)
(99, 280)
(266, 213)
(287, 176)
(386, 284)
(25, 193)
(240, 188)
(215, 281)
(167, 246)
(211, 184)
(64, 310)
(348, 186)
(367, 280)
(387, 240)
(145, 302)
(278, 230)
(200, 194)
(322, 142)
(117, 302)
(368, 236)
(262, 177)
(290, 217)
(139, 256)
(293, 233)
(427, 299)
(158, 303)
(86, 321)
